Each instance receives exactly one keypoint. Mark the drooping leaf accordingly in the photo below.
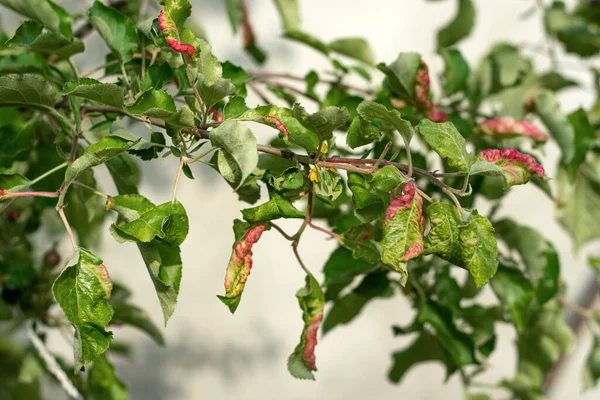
(290, 14)
(356, 48)
(391, 119)
(103, 382)
(83, 290)
(31, 35)
(307, 39)
(234, 12)
(403, 230)
(302, 362)
(460, 26)
(515, 293)
(327, 184)
(159, 104)
(401, 75)
(323, 122)
(342, 265)
(368, 202)
(548, 108)
(456, 72)
(445, 140)
(27, 90)
(116, 29)
(240, 263)
(171, 21)
(347, 307)
(479, 249)
(45, 12)
(361, 132)
(361, 240)
(238, 156)
(443, 237)
(91, 89)
(585, 138)
(156, 76)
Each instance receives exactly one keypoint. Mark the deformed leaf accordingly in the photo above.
(277, 207)
(445, 140)
(83, 290)
(159, 104)
(479, 249)
(403, 228)
(302, 362)
(361, 132)
(323, 122)
(91, 89)
(360, 239)
(391, 119)
(238, 156)
(240, 263)
(401, 75)
(456, 72)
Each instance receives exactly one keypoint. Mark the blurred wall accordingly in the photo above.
(214, 355)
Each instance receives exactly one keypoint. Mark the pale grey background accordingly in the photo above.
(214, 355)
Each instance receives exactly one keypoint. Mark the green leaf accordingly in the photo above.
(591, 371)
(458, 344)
(125, 173)
(45, 12)
(361, 132)
(403, 230)
(445, 140)
(238, 156)
(237, 76)
(342, 265)
(401, 75)
(240, 263)
(129, 314)
(460, 26)
(234, 12)
(82, 290)
(443, 237)
(302, 361)
(27, 90)
(456, 72)
(347, 307)
(548, 109)
(387, 179)
(479, 249)
(309, 40)
(585, 138)
(30, 35)
(95, 154)
(328, 186)
(209, 66)
(103, 382)
(555, 81)
(156, 77)
(538, 255)
(290, 14)
(13, 182)
(91, 89)
(368, 202)
(391, 119)
(323, 122)
(515, 293)
(159, 104)
(579, 201)
(426, 347)
(215, 91)
(360, 239)
(116, 29)
(277, 207)
(356, 48)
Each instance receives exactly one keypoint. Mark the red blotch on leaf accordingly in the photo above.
(308, 353)
(181, 47)
(512, 156)
(510, 127)
(409, 191)
(437, 116)
(279, 125)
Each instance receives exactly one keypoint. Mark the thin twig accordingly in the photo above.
(266, 76)
(48, 173)
(280, 230)
(52, 365)
(11, 195)
(61, 212)
(96, 192)
(577, 309)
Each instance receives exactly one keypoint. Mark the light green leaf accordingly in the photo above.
(456, 72)
(103, 382)
(342, 265)
(290, 14)
(45, 12)
(402, 74)
(443, 237)
(479, 249)
(591, 371)
(548, 108)
(579, 201)
(391, 119)
(82, 290)
(30, 35)
(209, 67)
(328, 186)
(238, 156)
(387, 179)
(368, 202)
(91, 89)
(277, 207)
(309, 40)
(27, 90)
(211, 93)
(515, 293)
(485, 168)
(361, 132)
(445, 140)
(323, 122)
(356, 48)
(302, 361)
(159, 104)
(460, 26)
(403, 231)
(234, 11)
(116, 29)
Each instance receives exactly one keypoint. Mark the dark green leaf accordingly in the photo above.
(341, 265)
(460, 26)
(591, 372)
(103, 383)
(234, 11)
(356, 48)
(402, 74)
(27, 90)
(456, 72)
(361, 132)
(277, 207)
(360, 239)
(387, 179)
(116, 29)
(82, 290)
(515, 293)
(91, 89)
(585, 138)
(305, 38)
(45, 12)
(445, 140)
(238, 156)
(548, 108)
(323, 122)
(159, 104)
(30, 35)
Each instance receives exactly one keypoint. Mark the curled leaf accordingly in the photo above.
(170, 20)
(507, 127)
(518, 167)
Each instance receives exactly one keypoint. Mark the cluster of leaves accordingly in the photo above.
(404, 221)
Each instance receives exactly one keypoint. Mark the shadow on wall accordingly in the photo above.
(150, 373)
